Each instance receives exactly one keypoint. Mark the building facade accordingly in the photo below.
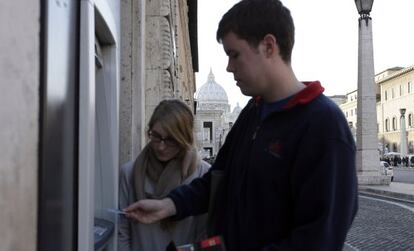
(213, 117)
(395, 92)
(349, 108)
(79, 82)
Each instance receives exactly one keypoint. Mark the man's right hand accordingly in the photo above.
(150, 211)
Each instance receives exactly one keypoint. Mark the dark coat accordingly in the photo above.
(289, 180)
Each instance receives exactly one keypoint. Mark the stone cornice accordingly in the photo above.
(396, 74)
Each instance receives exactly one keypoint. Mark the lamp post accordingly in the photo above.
(367, 155)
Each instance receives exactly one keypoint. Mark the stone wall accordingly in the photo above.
(132, 80)
(19, 109)
(156, 64)
(169, 72)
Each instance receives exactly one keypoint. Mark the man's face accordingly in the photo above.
(246, 64)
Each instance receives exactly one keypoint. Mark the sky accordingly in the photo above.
(326, 42)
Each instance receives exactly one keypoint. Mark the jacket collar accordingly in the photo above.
(310, 92)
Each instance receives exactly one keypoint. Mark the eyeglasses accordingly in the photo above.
(156, 138)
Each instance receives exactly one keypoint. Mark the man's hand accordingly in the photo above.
(150, 211)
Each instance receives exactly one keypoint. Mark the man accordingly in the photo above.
(289, 161)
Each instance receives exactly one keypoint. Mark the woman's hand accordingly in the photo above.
(150, 211)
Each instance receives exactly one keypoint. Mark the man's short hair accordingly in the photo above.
(252, 20)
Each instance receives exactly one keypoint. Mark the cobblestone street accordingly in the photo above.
(382, 225)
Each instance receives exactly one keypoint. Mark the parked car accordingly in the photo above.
(411, 160)
(392, 153)
(387, 169)
(394, 158)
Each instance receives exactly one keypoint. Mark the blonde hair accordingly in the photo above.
(177, 120)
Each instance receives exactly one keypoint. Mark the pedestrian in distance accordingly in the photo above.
(288, 164)
(167, 161)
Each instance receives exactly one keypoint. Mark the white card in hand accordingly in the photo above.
(115, 211)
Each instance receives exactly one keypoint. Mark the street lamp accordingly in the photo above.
(367, 155)
(364, 7)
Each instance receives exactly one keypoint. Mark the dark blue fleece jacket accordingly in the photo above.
(289, 179)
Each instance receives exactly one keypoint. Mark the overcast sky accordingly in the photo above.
(326, 43)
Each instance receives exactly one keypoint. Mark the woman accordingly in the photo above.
(167, 161)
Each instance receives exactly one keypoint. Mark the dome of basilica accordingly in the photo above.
(211, 92)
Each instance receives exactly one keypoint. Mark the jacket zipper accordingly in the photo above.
(255, 132)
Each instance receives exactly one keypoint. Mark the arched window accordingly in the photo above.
(387, 124)
(394, 123)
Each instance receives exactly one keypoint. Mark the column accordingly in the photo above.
(403, 134)
(367, 156)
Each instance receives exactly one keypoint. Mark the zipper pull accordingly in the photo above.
(255, 132)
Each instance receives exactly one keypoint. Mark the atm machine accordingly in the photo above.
(98, 126)
(106, 162)
(78, 124)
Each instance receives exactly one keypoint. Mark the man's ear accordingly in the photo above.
(271, 47)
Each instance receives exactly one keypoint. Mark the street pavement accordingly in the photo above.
(404, 174)
(396, 190)
(385, 219)
(382, 225)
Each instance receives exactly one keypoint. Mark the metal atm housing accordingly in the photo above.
(98, 127)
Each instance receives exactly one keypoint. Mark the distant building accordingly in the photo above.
(395, 92)
(338, 99)
(213, 117)
(349, 108)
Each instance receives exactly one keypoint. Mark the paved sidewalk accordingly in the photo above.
(397, 190)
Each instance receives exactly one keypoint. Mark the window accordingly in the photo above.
(208, 131)
(352, 112)
(347, 114)
(387, 125)
(401, 90)
(392, 93)
(409, 87)
(385, 95)
(394, 123)
(394, 147)
(410, 120)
